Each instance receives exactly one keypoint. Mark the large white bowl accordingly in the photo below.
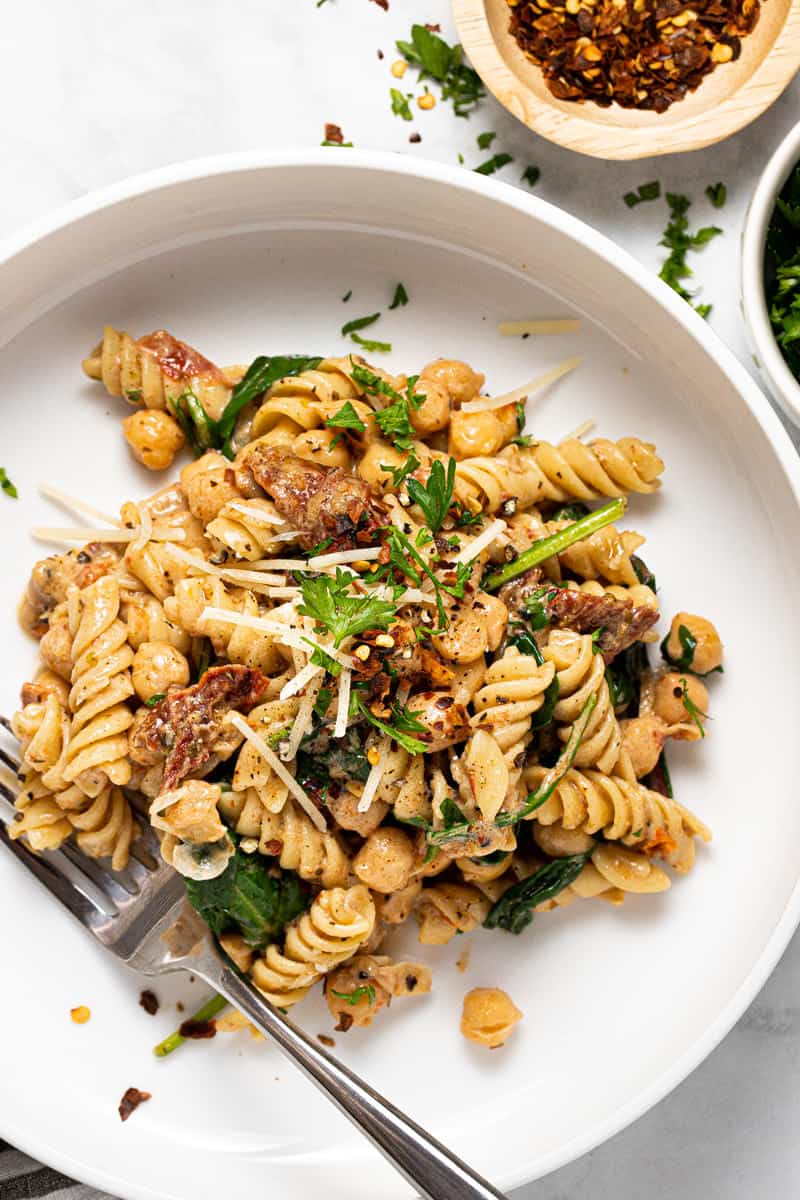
(767, 353)
(249, 255)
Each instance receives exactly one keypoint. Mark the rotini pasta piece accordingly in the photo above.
(190, 812)
(246, 529)
(104, 824)
(445, 909)
(581, 674)
(101, 684)
(326, 447)
(485, 778)
(146, 621)
(238, 645)
(42, 730)
(513, 691)
(288, 835)
(338, 923)
(155, 370)
(623, 810)
(489, 1016)
(356, 992)
(39, 818)
(301, 402)
(605, 554)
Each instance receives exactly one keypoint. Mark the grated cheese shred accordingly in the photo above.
(269, 756)
(487, 403)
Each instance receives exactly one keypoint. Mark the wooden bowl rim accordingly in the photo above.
(577, 132)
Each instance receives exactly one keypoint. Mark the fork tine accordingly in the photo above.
(5, 721)
(7, 793)
(9, 760)
(112, 887)
(81, 906)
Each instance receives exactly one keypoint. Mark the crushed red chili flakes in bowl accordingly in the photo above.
(638, 53)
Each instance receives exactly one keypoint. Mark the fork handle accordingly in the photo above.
(426, 1163)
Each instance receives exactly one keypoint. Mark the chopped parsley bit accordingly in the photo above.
(400, 298)
(531, 176)
(154, 699)
(464, 518)
(596, 640)
(485, 140)
(645, 191)
(400, 105)
(359, 323)
(694, 712)
(436, 495)
(400, 473)
(358, 994)
(323, 701)
(373, 347)
(347, 296)
(678, 240)
(346, 418)
(405, 725)
(460, 160)
(328, 601)
(342, 145)
(717, 194)
(7, 486)
(522, 439)
(435, 59)
(399, 546)
(394, 420)
(494, 164)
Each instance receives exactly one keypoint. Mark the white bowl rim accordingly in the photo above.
(780, 380)
(684, 314)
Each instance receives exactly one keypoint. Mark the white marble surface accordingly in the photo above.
(96, 91)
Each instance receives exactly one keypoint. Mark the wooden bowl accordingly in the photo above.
(727, 99)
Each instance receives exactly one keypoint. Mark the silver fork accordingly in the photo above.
(141, 915)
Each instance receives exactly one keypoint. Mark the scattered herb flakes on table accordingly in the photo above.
(639, 56)
(782, 271)
(679, 240)
(435, 59)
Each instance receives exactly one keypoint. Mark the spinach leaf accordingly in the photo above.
(688, 646)
(249, 898)
(260, 375)
(514, 910)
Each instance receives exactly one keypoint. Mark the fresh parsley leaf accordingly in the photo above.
(359, 323)
(435, 496)
(400, 105)
(692, 709)
(596, 635)
(327, 599)
(645, 191)
(8, 487)
(435, 59)
(251, 896)
(679, 240)
(494, 164)
(320, 659)
(465, 519)
(522, 439)
(323, 701)
(373, 347)
(400, 473)
(400, 298)
(514, 910)
(485, 140)
(717, 193)
(259, 376)
(357, 994)
(451, 813)
(155, 699)
(531, 175)
(346, 418)
(395, 423)
(340, 145)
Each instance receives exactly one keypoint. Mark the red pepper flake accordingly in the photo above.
(433, 28)
(198, 1029)
(333, 133)
(326, 1041)
(380, 55)
(384, 4)
(149, 1002)
(415, 137)
(131, 1101)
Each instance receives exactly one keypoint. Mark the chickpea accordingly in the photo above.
(344, 810)
(156, 667)
(154, 437)
(434, 412)
(444, 719)
(668, 698)
(708, 650)
(643, 738)
(457, 379)
(208, 485)
(385, 861)
(466, 638)
(377, 455)
(495, 616)
(316, 446)
(558, 842)
(475, 433)
(489, 1016)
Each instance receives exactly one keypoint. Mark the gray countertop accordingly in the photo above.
(96, 91)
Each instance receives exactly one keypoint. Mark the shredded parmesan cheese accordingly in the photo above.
(300, 680)
(145, 528)
(343, 704)
(467, 553)
(305, 717)
(345, 556)
(375, 776)
(282, 633)
(160, 533)
(560, 325)
(580, 431)
(302, 797)
(256, 515)
(487, 403)
(79, 506)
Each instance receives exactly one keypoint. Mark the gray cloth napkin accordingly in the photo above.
(22, 1178)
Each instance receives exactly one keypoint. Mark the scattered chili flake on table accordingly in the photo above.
(640, 53)
(384, 4)
(80, 1015)
(131, 1101)
(198, 1030)
(334, 136)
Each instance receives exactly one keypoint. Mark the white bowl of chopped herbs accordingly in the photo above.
(770, 274)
